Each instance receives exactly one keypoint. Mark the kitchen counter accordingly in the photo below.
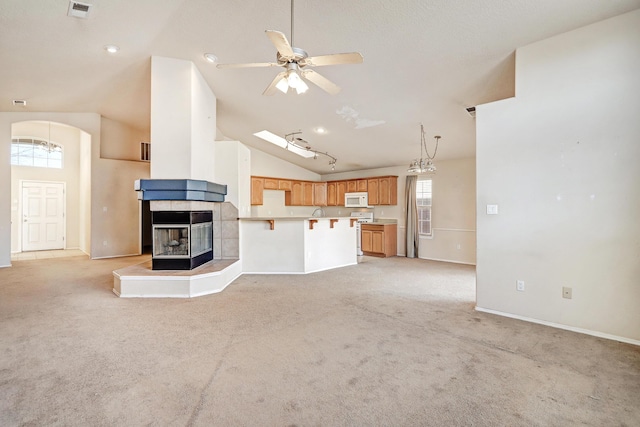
(297, 245)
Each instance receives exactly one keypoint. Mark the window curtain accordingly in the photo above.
(412, 216)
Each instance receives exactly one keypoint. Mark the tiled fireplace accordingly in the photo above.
(191, 223)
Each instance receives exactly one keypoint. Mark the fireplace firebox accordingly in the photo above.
(181, 240)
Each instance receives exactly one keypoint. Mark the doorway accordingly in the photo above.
(43, 224)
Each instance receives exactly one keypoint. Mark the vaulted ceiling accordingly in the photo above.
(425, 61)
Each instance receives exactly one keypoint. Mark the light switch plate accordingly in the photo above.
(492, 209)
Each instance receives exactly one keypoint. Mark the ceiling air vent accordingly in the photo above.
(472, 111)
(78, 10)
(19, 102)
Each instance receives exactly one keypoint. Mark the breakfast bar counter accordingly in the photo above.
(297, 245)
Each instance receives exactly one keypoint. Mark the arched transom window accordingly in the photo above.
(36, 152)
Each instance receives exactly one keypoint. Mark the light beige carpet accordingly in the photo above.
(389, 342)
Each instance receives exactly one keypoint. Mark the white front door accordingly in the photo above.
(42, 215)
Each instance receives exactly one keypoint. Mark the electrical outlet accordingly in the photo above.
(566, 292)
(520, 285)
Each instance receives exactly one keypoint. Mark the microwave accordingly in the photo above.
(356, 200)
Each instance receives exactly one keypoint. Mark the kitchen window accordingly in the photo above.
(424, 189)
(36, 152)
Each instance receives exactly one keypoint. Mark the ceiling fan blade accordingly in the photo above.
(271, 89)
(335, 59)
(321, 82)
(249, 65)
(281, 43)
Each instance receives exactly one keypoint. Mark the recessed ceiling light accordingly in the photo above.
(210, 57)
(111, 48)
(320, 130)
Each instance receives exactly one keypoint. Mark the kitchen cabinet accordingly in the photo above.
(319, 194)
(372, 190)
(388, 190)
(379, 239)
(383, 190)
(294, 197)
(341, 188)
(307, 193)
(257, 187)
(331, 194)
(284, 184)
(270, 183)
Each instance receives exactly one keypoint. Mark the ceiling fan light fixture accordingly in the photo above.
(283, 85)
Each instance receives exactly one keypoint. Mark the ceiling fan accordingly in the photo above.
(295, 62)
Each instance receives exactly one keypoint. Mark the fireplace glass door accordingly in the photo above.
(171, 241)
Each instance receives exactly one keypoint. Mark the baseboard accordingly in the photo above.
(113, 256)
(448, 260)
(561, 326)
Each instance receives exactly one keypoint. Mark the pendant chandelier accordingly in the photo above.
(424, 164)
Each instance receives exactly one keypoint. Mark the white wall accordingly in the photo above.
(69, 138)
(115, 220)
(561, 161)
(183, 121)
(124, 141)
(233, 169)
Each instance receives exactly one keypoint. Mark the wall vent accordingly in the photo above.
(145, 151)
(19, 102)
(78, 9)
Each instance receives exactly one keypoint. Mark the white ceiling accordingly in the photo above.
(425, 61)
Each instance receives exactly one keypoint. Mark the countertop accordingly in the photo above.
(291, 218)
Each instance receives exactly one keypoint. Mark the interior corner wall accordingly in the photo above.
(560, 161)
(5, 189)
(183, 121)
(233, 169)
(124, 141)
(203, 127)
(115, 209)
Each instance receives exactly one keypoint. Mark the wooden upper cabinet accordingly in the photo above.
(319, 194)
(270, 183)
(331, 194)
(294, 197)
(307, 193)
(382, 190)
(341, 188)
(284, 184)
(257, 187)
(388, 190)
(372, 189)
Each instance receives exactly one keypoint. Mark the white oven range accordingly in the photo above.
(363, 217)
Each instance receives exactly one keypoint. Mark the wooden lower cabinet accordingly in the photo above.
(379, 239)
